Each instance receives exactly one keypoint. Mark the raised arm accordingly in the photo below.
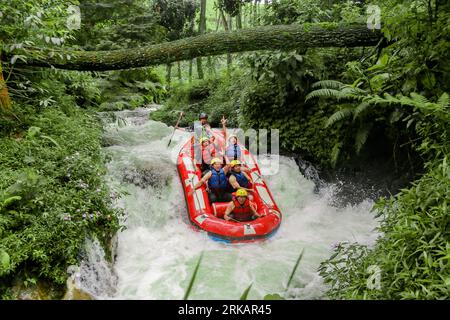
(224, 128)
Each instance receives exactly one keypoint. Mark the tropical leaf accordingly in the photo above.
(339, 116)
(335, 153)
(4, 261)
(419, 99)
(10, 200)
(52, 140)
(363, 106)
(376, 99)
(295, 269)
(324, 93)
(329, 84)
(390, 99)
(194, 275)
(274, 296)
(444, 100)
(361, 136)
(245, 293)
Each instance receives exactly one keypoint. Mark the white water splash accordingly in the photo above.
(158, 251)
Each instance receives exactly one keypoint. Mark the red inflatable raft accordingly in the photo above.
(209, 216)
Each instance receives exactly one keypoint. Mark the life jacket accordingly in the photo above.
(233, 152)
(208, 153)
(242, 212)
(241, 179)
(218, 180)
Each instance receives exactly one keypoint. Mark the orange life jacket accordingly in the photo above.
(242, 212)
(208, 153)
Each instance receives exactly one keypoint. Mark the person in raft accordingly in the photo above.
(233, 150)
(217, 182)
(241, 208)
(201, 128)
(239, 179)
(208, 153)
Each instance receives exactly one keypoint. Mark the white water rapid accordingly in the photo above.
(158, 251)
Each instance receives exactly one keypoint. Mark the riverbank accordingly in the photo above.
(53, 196)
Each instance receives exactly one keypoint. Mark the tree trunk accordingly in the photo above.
(190, 70)
(202, 30)
(168, 74)
(229, 57)
(179, 70)
(239, 17)
(5, 100)
(255, 14)
(281, 37)
(217, 18)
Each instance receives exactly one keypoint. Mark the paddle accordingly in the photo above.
(175, 128)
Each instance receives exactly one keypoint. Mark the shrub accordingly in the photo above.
(52, 195)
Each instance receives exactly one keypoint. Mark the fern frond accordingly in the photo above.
(407, 101)
(444, 100)
(324, 93)
(339, 116)
(419, 99)
(363, 106)
(352, 93)
(390, 99)
(374, 100)
(361, 137)
(335, 153)
(329, 84)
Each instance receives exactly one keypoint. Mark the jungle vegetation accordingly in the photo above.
(358, 96)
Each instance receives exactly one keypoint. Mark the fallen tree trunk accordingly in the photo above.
(281, 37)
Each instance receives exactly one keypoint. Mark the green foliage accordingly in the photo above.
(52, 195)
(413, 254)
(294, 269)
(313, 11)
(406, 88)
(177, 17)
(275, 98)
(129, 89)
(244, 295)
(215, 96)
(274, 296)
(118, 24)
(194, 275)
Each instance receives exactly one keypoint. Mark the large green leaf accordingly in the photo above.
(244, 295)
(4, 261)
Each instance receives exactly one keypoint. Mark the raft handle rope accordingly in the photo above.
(268, 206)
(193, 187)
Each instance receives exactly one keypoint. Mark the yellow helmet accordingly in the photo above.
(235, 162)
(215, 160)
(203, 139)
(241, 193)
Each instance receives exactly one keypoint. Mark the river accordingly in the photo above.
(158, 250)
